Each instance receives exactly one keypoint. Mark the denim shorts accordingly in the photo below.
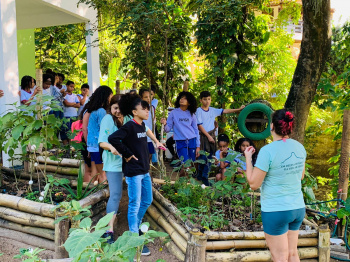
(279, 222)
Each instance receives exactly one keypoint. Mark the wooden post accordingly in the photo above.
(324, 248)
(196, 247)
(344, 164)
(186, 85)
(39, 83)
(61, 235)
(117, 87)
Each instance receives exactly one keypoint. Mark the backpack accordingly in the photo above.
(77, 126)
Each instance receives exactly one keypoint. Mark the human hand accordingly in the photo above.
(249, 151)
(114, 151)
(37, 90)
(163, 121)
(1, 93)
(128, 159)
(241, 108)
(197, 152)
(211, 139)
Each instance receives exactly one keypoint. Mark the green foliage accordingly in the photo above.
(86, 243)
(73, 211)
(29, 255)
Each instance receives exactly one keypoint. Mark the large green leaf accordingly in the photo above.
(85, 223)
(103, 222)
(78, 241)
(17, 131)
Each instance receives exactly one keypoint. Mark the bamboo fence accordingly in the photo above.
(188, 243)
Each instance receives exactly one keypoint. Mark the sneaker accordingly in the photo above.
(145, 251)
(109, 236)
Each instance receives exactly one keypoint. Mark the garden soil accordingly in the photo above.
(9, 247)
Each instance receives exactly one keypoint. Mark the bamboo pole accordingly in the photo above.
(65, 162)
(255, 256)
(36, 231)
(309, 223)
(252, 235)
(27, 239)
(61, 235)
(324, 248)
(26, 219)
(171, 208)
(74, 183)
(25, 205)
(175, 236)
(250, 244)
(161, 181)
(94, 198)
(171, 246)
(179, 228)
(60, 170)
(196, 246)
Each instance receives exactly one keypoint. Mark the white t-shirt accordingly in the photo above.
(25, 96)
(207, 118)
(71, 111)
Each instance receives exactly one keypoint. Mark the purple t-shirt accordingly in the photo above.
(184, 125)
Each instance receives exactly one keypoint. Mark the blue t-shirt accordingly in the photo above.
(284, 163)
(94, 129)
(111, 162)
(217, 155)
(207, 118)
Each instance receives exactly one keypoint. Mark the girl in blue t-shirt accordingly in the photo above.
(112, 161)
(184, 123)
(240, 147)
(96, 107)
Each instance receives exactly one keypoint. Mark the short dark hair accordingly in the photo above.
(46, 77)
(223, 138)
(283, 122)
(85, 86)
(204, 94)
(191, 100)
(129, 102)
(61, 75)
(143, 90)
(69, 83)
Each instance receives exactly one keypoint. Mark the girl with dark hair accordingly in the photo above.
(184, 123)
(279, 169)
(240, 147)
(96, 107)
(27, 95)
(112, 160)
(130, 141)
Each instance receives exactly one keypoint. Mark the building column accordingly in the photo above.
(93, 58)
(8, 59)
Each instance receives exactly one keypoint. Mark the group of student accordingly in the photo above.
(118, 131)
(53, 86)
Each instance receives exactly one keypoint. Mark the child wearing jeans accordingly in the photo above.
(130, 141)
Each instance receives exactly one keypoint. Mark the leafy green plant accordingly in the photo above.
(86, 243)
(29, 255)
(73, 211)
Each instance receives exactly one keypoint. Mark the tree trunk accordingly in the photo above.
(314, 50)
(344, 157)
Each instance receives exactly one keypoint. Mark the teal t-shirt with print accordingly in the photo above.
(284, 162)
(111, 162)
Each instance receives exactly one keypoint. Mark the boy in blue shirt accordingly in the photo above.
(205, 120)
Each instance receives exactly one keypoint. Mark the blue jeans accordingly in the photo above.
(115, 183)
(154, 158)
(140, 198)
(203, 169)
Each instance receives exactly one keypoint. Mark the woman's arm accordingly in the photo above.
(255, 176)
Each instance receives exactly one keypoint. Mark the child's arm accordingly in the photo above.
(85, 125)
(82, 100)
(105, 126)
(235, 110)
(153, 137)
(168, 124)
(195, 127)
(223, 164)
(115, 140)
(210, 138)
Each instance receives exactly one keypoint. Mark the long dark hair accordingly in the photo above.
(99, 99)
(26, 81)
(283, 122)
(114, 100)
(129, 102)
(190, 99)
(251, 143)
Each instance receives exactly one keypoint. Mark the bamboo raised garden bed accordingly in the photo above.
(188, 243)
(32, 222)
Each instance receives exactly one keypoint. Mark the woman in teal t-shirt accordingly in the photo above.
(112, 161)
(279, 169)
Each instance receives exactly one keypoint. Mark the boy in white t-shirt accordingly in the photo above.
(206, 125)
(71, 103)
